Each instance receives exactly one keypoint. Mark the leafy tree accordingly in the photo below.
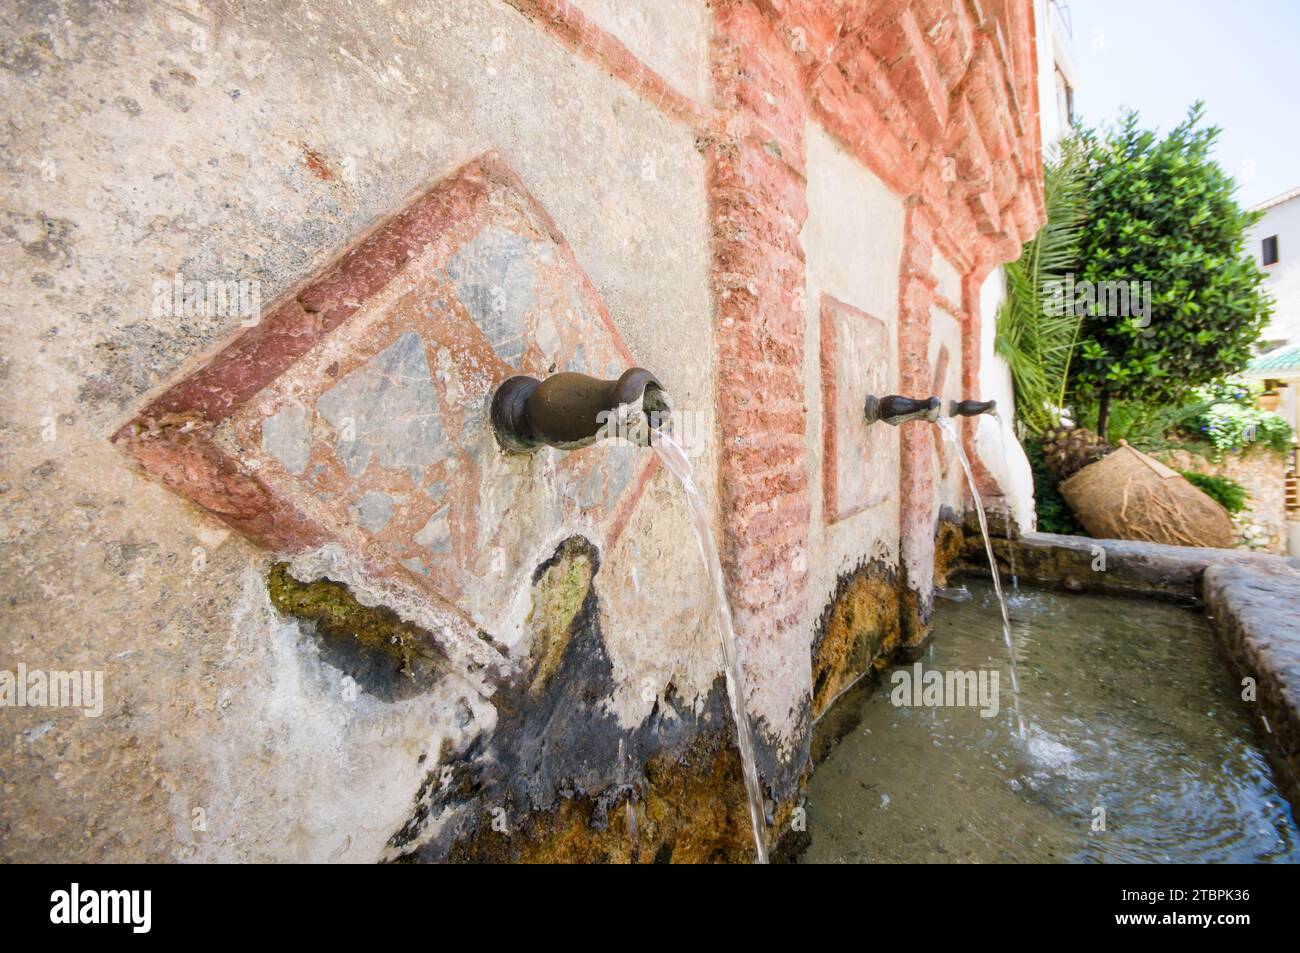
(1161, 211)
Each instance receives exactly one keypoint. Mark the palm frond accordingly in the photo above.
(1036, 342)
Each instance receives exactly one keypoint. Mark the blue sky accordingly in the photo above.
(1241, 56)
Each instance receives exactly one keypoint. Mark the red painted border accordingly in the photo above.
(830, 306)
(579, 33)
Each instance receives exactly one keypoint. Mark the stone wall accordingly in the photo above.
(255, 307)
(1262, 524)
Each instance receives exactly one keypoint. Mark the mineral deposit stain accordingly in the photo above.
(385, 655)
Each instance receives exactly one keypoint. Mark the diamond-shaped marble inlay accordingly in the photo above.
(356, 412)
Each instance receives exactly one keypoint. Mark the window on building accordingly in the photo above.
(1270, 250)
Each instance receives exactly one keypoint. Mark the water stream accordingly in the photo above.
(951, 433)
(1011, 554)
(674, 458)
(1006, 466)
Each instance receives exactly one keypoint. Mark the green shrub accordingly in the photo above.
(1228, 427)
(1054, 514)
(1233, 422)
(1230, 390)
(1225, 491)
(1149, 427)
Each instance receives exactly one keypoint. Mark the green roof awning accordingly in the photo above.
(1282, 360)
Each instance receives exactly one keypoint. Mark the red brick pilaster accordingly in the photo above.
(757, 207)
(916, 477)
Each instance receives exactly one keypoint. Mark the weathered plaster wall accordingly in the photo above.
(995, 440)
(733, 179)
(853, 243)
(853, 240)
(184, 142)
(669, 36)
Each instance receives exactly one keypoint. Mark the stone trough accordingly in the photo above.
(1251, 599)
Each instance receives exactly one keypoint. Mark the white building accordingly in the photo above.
(1274, 242)
(1058, 69)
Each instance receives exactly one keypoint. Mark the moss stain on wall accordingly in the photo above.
(386, 655)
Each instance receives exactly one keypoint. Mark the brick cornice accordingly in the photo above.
(932, 97)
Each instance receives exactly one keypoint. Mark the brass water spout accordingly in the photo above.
(895, 409)
(971, 408)
(569, 410)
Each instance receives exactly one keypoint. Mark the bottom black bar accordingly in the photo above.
(215, 903)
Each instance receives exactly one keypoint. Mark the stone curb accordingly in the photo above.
(1081, 563)
(1256, 616)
